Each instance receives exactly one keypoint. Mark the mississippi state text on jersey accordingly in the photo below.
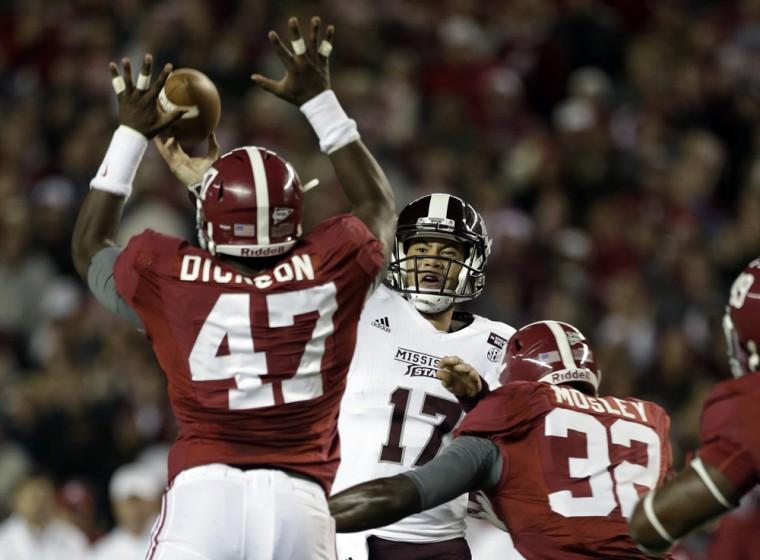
(574, 466)
(255, 364)
(396, 414)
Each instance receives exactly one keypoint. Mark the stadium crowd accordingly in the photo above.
(611, 145)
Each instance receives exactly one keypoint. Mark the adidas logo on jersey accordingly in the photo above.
(382, 323)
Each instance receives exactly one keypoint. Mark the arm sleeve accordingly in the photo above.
(469, 463)
(100, 279)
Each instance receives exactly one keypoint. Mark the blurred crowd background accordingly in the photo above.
(610, 145)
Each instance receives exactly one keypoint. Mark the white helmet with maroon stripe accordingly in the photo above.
(551, 352)
(447, 217)
(250, 204)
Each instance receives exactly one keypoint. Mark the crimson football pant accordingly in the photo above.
(217, 512)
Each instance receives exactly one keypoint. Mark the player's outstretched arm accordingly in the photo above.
(696, 495)
(375, 503)
(307, 84)
(469, 463)
(139, 120)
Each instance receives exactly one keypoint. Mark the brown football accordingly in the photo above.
(190, 89)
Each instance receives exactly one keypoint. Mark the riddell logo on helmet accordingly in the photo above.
(261, 252)
(571, 375)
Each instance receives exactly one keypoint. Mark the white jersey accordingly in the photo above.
(396, 415)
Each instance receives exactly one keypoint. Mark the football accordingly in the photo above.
(186, 88)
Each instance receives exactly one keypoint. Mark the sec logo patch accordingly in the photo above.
(493, 354)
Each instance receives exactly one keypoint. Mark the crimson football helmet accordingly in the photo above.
(440, 216)
(551, 352)
(249, 204)
(741, 322)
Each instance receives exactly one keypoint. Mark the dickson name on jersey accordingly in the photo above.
(195, 268)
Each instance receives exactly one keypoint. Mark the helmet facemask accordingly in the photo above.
(442, 218)
(194, 193)
(742, 358)
(404, 273)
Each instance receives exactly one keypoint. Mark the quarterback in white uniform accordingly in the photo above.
(396, 414)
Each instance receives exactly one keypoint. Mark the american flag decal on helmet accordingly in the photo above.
(244, 230)
(549, 357)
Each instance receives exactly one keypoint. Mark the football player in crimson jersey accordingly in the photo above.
(255, 329)
(727, 464)
(561, 465)
(736, 535)
(395, 413)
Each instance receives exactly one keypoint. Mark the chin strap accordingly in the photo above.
(428, 303)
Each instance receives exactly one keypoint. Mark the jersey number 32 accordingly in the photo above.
(594, 469)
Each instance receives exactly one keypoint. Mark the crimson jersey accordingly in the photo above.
(730, 439)
(574, 466)
(737, 536)
(256, 364)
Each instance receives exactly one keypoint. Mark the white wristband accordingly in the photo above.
(117, 172)
(330, 122)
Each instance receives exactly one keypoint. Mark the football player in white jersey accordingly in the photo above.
(396, 414)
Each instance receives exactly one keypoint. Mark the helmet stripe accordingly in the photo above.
(439, 206)
(563, 345)
(262, 195)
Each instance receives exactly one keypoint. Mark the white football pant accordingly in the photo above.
(217, 512)
(489, 543)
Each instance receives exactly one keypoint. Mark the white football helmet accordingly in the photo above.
(439, 216)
